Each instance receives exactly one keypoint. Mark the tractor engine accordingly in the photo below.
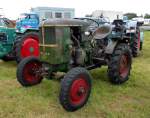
(85, 52)
(99, 47)
(78, 55)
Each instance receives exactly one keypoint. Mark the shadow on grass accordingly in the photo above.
(8, 63)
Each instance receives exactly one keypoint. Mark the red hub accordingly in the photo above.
(124, 66)
(30, 47)
(79, 91)
(31, 72)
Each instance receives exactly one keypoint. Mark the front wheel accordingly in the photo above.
(28, 71)
(75, 89)
(120, 64)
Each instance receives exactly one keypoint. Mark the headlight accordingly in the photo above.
(17, 30)
(131, 31)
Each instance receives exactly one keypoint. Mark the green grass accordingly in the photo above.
(130, 100)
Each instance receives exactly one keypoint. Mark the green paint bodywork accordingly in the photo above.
(6, 45)
(8, 30)
(55, 40)
(59, 53)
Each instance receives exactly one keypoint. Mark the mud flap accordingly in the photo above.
(110, 47)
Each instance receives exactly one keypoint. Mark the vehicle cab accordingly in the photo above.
(27, 21)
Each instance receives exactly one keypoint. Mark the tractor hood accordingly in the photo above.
(64, 22)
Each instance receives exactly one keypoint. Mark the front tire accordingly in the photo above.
(28, 73)
(75, 89)
(120, 64)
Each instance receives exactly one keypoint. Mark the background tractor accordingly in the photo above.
(71, 47)
(137, 35)
(26, 22)
(15, 39)
(7, 37)
(26, 44)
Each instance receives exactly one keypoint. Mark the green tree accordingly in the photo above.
(147, 15)
(88, 15)
(130, 15)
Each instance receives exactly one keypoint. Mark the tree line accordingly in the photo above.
(129, 15)
(133, 15)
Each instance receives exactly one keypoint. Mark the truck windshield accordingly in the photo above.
(23, 16)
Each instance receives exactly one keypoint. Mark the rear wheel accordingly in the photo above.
(27, 45)
(141, 45)
(136, 45)
(75, 89)
(28, 71)
(120, 64)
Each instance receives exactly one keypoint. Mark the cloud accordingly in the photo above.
(12, 8)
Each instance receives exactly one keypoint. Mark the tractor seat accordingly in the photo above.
(102, 32)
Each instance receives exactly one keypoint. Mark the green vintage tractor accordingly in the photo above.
(70, 46)
(7, 37)
(17, 45)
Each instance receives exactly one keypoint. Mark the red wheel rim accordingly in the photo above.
(139, 40)
(124, 66)
(79, 91)
(30, 47)
(30, 72)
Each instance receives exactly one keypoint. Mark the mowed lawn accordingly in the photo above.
(129, 100)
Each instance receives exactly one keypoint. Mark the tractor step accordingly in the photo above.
(93, 66)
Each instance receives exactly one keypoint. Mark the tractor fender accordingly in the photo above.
(24, 30)
(111, 46)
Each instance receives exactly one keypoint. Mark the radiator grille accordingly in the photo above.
(3, 37)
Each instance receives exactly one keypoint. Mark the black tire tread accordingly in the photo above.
(135, 48)
(66, 84)
(20, 68)
(17, 45)
(113, 71)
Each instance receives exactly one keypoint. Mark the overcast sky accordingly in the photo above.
(12, 8)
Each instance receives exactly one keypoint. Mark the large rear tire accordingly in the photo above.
(141, 46)
(136, 45)
(27, 45)
(28, 73)
(75, 89)
(120, 64)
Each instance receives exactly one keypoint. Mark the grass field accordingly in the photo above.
(130, 100)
